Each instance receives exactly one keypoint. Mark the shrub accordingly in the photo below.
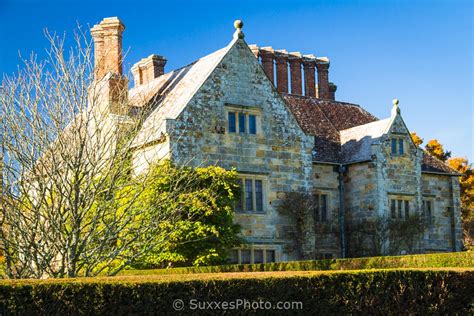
(438, 260)
(355, 292)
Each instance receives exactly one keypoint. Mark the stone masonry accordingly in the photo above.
(272, 115)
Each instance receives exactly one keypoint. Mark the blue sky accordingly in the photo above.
(417, 51)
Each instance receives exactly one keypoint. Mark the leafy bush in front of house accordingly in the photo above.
(378, 292)
(437, 260)
(201, 228)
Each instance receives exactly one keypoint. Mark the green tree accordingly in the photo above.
(199, 227)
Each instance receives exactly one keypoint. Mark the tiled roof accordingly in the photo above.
(325, 119)
(433, 164)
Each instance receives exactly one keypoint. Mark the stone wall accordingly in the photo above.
(279, 154)
(440, 190)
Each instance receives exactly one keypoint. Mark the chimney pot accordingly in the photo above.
(281, 58)
(309, 62)
(107, 37)
(295, 73)
(267, 55)
(148, 69)
(322, 66)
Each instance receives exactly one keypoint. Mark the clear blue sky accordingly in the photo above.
(417, 51)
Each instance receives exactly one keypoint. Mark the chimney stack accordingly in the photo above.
(281, 58)
(309, 62)
(295, 73)
(322, 65)
(255, 50)
(107, 37)
(332, 91)
(148, 69)
(267, 55)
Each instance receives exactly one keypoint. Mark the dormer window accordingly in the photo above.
(398, 147)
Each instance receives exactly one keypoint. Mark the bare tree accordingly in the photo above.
(67, 184)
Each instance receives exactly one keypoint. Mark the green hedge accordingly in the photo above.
(438, 260)
(377, 292)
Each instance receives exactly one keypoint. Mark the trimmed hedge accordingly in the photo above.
(438, 260)
(357, 292)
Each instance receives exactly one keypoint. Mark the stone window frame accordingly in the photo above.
(253, 248)
(318, 193)
(246, 110)
(249, 176)
(396, 140)
(400, 206)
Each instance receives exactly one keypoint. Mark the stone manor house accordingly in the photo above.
(273, 116)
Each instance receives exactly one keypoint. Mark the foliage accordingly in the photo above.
(435, 148)
(200, 229)
(384, 235)
(416, 139)
(463, 166)
(356, 292)
(437, 260)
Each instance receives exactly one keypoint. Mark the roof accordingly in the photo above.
(324, 119)
(344, 132)
(432, 164)
(170, 93)
(356, 142)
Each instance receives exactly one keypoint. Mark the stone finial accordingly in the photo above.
(395, 108)
(238, 25)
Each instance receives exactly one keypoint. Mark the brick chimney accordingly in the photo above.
(110, 93)
(295, 73)
(255, 50)
(332, 91)
(309, 62)
(322, 65)
(107, 37)
(267, 55)
(281, 58)
(148, 69)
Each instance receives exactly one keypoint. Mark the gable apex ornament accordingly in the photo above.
(395, 108)
(238, 25)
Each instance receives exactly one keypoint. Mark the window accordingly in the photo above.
(251, 199)
(394, 146)
(258, 256)
(242, 122)
(239, 207)
(252, 124)
(399, 208)
(321, 256)
(249, 195)
(398, 147)
(242, 119)
(270, 254)
(245, 256)
(250, 256)
(428, 211)
(233, 256)
(232, 121)
(321, 208)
